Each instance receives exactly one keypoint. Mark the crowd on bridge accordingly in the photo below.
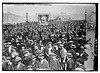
(56, 46)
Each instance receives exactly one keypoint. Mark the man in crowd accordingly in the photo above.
(18, 65)
(63, 53)
(79, 65)
(70, 62)
(54, 62)
(53, 49)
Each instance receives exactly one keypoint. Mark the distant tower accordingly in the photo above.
(26, 17)
(86, 24)
(85, 15)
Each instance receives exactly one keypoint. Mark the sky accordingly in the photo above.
(53, 9)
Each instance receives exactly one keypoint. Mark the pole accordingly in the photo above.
(26, 17)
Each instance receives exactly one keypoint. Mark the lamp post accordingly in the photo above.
(86, 24)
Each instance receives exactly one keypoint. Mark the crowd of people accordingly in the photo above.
(56, 46)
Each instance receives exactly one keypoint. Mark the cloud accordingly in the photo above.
(54, 9)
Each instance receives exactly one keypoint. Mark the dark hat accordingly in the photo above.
(79, 60)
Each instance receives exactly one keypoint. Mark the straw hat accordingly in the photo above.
(79, 60)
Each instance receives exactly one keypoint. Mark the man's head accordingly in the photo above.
(69, 55)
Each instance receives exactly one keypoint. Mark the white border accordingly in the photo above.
(69, 1)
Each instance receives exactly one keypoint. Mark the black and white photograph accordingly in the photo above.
(49, 36)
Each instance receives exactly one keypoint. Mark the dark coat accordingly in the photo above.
(54, 64)
(70, 65)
